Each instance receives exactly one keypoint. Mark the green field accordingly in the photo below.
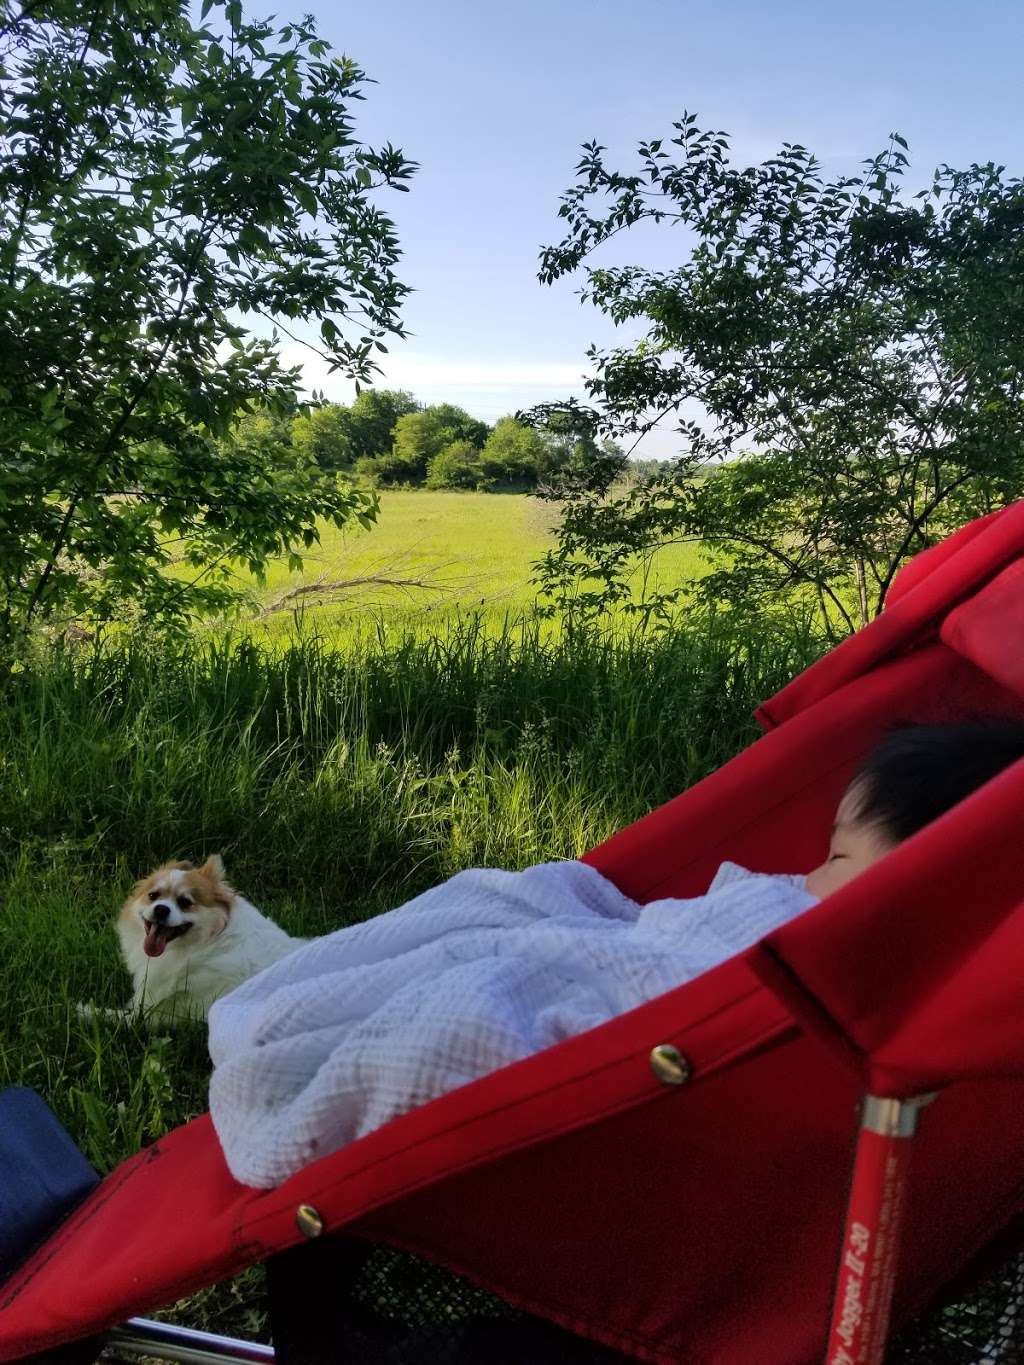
(431, 555)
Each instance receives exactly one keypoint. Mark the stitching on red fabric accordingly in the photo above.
(953, 627)
(856, 1056)
(79, 1218)
(712, 1066)
(61, 1336)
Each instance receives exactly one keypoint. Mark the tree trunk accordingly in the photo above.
(862, 590)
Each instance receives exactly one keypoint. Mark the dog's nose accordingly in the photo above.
(160, 913)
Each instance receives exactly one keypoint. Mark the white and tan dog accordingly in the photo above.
(188, 938)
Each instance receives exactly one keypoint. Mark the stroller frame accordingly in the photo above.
(144, 1337)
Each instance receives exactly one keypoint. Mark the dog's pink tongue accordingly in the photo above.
(155, 941)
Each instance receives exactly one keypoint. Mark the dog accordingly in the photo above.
(188, 938)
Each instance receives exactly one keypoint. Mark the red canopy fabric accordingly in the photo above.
(699, 1223)
(916, 969)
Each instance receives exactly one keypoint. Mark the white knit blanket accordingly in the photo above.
(352, 1029)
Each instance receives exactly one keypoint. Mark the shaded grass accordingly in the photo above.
(337, 782)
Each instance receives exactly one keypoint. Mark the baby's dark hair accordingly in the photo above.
(918, 772)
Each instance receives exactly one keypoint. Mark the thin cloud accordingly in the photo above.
(424, 373)
(489, 389)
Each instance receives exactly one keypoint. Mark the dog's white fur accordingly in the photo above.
(204, 939)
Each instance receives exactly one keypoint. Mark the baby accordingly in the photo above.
(908, 780)
(355, 1028)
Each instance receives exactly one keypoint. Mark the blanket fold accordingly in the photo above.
(355, 1028)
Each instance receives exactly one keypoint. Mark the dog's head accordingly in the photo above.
(178, 906)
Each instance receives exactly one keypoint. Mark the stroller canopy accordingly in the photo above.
(694, 1222)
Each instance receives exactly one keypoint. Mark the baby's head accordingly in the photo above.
(909, 779)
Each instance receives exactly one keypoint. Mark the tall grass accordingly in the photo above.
(335, 773)
(336, 781)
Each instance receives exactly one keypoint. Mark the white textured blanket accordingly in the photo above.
(355, 1028)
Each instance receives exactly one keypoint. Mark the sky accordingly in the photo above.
(494, 100)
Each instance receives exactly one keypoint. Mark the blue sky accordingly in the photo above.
(494, 100)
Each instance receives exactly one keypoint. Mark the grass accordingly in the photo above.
(430, 557)
(337, 781)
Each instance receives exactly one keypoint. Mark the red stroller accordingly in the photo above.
(672, 1186)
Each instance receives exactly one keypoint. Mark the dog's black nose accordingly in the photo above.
(160, 913)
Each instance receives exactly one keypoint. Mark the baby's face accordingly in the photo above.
(854, 847)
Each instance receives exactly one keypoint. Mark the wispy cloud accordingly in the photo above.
(427, 374)
(489, 389)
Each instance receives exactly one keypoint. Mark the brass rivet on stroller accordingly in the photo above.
(308, 1220)
(669, 1064)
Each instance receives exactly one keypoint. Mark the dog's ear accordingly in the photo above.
(213, 868)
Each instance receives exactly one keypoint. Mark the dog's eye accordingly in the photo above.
(183, 902)
(153, 895)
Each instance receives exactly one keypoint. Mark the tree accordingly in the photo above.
(850, 356)
(324, 434)
(515, 453)
(159, 181)
(456, 466)
(373, 417)
(337, 436)
(419, 436)
(263, 424)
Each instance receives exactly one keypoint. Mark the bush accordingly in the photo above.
(457, 466)
(420, 436)
(323, 434)
(514, 453)
(385, 470)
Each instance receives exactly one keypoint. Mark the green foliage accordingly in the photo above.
(419, 437)
(324, 435)
(263, 425)
(456, 466)
(337, 436)
(439, 446)
(373, 417)
(158, 180)
(852, 358)
(574, 452)
(515, 454)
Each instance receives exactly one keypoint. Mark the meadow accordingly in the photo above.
(339, 768)
(431, 556)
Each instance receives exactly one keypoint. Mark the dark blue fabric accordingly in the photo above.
(43, 1175)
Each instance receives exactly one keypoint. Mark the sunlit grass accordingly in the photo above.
(431, 556)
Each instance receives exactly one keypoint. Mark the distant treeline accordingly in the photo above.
(388, 438)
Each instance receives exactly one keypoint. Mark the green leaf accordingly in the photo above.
(305, 196)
